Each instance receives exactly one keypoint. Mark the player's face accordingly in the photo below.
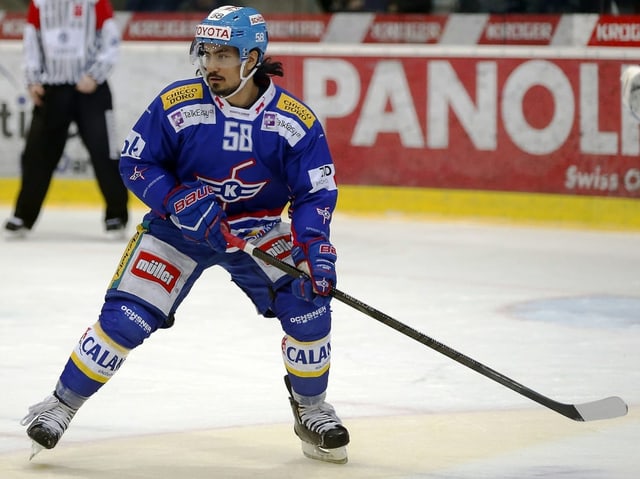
(222, 66)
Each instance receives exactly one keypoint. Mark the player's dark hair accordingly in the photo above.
(268, 68)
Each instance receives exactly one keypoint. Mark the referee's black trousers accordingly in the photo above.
(63, 104)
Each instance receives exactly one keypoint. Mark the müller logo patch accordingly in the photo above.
(153, 268)
(278, 247)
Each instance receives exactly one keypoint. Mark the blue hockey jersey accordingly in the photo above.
(258, 159)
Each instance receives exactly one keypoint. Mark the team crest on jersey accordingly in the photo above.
(234, 189)
(293, 106)
(181, 94)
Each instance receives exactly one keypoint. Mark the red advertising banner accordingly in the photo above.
(507, 124)
(519, 30)
(159, 28)
(12, 25)
(422, 29)
(614, 31)
(354, 28)
(526, 117)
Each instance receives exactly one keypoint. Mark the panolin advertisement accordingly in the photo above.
(542, 115)
(510, 124)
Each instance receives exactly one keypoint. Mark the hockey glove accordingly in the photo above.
(317, 258)
(194, 209)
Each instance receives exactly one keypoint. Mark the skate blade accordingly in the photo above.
(116, 235)
(335, 456)
(35, 449)
(15, 235)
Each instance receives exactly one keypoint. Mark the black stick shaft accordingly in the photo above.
(610, 407)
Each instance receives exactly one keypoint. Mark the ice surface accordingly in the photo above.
(556, 310)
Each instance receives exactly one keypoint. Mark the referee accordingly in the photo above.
(70, 48)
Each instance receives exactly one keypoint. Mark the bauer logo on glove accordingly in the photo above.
(193, 208)
(317, 258)
(201, 192)
(327, 248)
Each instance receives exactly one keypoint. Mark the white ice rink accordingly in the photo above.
(557, 310)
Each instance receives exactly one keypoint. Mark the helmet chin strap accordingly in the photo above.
(243, 79)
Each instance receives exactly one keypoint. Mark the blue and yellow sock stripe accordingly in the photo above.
(106, 346)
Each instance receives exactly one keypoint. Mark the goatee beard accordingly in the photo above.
(223, 92)
(217, 90)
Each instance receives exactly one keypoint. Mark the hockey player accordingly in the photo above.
(226, 151)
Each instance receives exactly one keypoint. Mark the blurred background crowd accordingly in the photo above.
(391, 6)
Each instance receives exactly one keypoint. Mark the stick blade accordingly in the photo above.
(607, 408)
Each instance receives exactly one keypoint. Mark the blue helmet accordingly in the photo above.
(241, 27)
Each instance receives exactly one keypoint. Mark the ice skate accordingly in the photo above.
(322, 435)
(115, 229)
(14, 228)
(47, 420)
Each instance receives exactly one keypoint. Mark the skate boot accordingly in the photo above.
(47, 420)
(14, 228)
(116, 228)
(322, 435)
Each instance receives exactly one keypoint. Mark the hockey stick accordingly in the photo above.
(607, 408)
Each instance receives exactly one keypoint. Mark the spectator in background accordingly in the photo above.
(14, 5)
(153, 5)
(571, 6)
(391, 6)
(173, 5)
(70, 48)
(543, 6)
(493, 6)
(410, 6)
(626, 7)
(202, 5)
(354, 5)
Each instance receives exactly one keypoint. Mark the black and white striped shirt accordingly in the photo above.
(64, 39)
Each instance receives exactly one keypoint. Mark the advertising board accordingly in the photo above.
(539, 113)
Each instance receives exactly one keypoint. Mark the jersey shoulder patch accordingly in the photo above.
(180, 93)
(294, 107)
